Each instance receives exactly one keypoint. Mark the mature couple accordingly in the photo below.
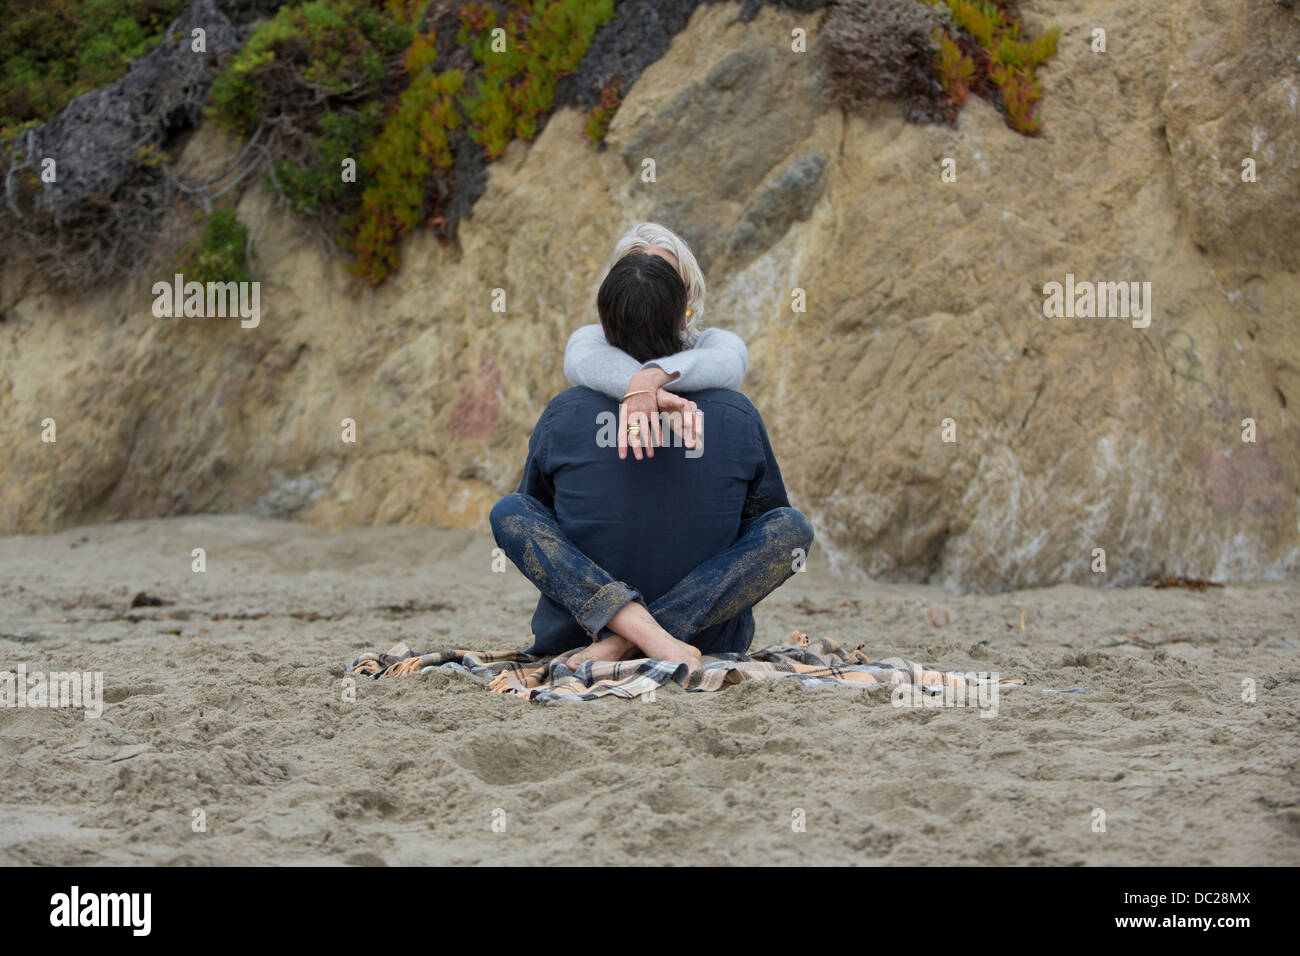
(662, 553)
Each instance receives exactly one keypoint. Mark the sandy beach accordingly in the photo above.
(231, 701)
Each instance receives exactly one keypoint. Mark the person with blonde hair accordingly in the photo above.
(702, 358)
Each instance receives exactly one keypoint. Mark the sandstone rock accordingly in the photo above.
(924, 303)
(1233, 97)
(786, 198)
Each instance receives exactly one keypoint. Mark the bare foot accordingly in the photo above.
(612, 648)
(634, 623)
(665, 647)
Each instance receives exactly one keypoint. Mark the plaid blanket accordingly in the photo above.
(817, 661)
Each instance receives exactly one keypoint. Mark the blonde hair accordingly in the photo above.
(651, 235)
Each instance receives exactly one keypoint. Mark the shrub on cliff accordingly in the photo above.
(311, 79)
(518, 54)
(994, 60)
(599, 116)
(932, 54)
(331, 80)
(520, 69)
(886, 49)
(220, 254)
(54, 50)
(84, 193)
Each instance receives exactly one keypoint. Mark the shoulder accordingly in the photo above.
(565, 412)
(728, 401)
(577, 398)
(714, 336)
(586, 334)
(721, 339)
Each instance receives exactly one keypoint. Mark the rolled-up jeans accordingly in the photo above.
(722, 587)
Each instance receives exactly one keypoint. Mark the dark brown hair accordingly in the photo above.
(641, 305)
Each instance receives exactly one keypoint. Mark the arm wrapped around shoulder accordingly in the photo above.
(593, 363)
(718, 360)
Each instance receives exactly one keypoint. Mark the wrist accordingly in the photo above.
(652, 378)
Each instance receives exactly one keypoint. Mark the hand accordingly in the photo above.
(684, 416)
(642, 410)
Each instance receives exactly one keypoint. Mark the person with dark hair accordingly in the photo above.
(637, 291)
(662, 559)
(696, 359)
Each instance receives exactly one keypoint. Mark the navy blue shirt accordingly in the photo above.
(650, 522)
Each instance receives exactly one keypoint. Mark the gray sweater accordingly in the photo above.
(718, 360)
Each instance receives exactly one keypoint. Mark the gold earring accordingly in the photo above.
(688, 313)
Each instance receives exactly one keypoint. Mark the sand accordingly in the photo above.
(231, 701)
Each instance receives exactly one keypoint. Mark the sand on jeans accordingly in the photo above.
(231, 701)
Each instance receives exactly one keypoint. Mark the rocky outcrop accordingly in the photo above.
(925, 303)
(95, 212)
(1230, 105)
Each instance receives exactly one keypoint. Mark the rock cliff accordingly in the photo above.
(924, 302)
